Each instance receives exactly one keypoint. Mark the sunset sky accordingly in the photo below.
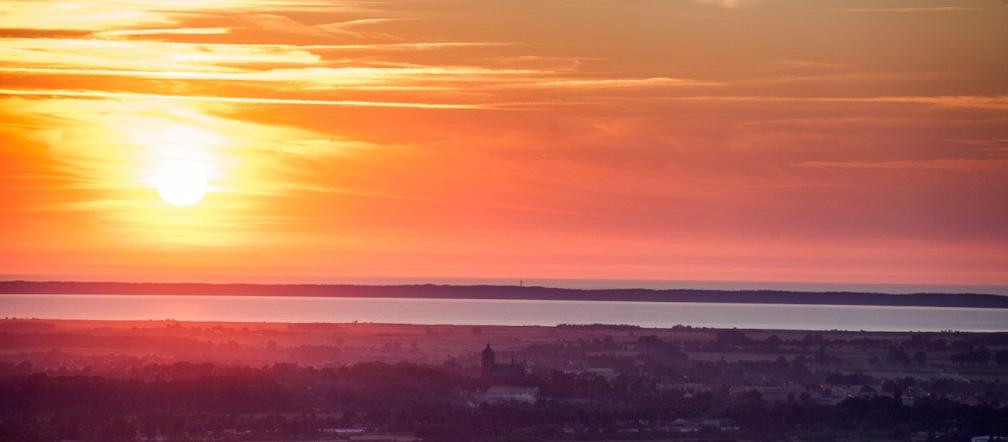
(735, 140)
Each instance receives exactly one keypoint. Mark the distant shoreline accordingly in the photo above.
(966, 300)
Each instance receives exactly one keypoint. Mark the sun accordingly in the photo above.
(180, 161)
(181, 183)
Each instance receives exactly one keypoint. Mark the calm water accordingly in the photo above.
(501, 312)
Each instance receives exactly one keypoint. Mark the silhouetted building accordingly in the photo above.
(488, 360)
(503, 372)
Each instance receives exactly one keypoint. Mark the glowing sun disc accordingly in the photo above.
(181, 184)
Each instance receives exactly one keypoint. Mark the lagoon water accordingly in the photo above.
(501, 312)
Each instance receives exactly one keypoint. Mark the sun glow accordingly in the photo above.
(182, 183)
(181, 166)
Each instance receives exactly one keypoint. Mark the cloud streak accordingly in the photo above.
(237, 100)
(996, 102)
(166, 31)
(905, 10)
(727, 4)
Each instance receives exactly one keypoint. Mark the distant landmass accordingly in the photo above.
(510, 292)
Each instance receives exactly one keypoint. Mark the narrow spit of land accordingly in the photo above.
(973, 300)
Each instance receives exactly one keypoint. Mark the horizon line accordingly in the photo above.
(586, 285)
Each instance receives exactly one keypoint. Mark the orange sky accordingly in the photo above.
(741, 140)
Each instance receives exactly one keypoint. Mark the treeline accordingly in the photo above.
(93, 340)
(509, 292)
(280, 388)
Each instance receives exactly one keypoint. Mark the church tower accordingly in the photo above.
(488, 361)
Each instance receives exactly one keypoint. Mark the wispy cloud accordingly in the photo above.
(241, 100)
(107, 53)
(165, 31)
(906, 10)
(352, 27)
(727, 4)
(418, 78)
(961, 165)
(587, 84)
(297, 67)
(809, 64)
(994, 102)
(117, 14)
(361, 29)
